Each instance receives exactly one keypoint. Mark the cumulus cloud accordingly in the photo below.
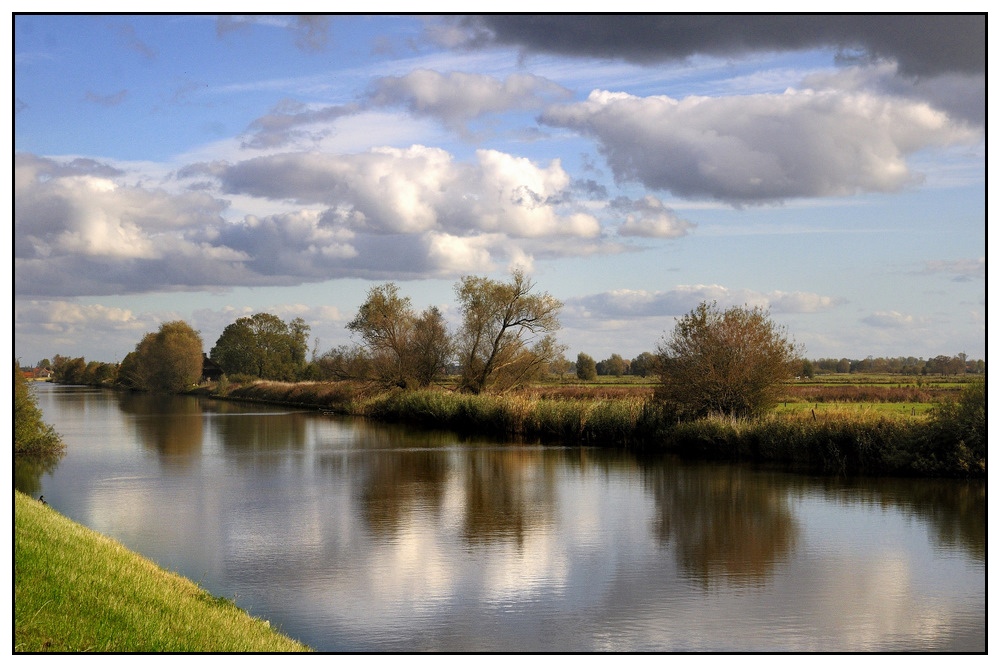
(626, 303)
(458, 97)
(921, 44)
(386, 214)
(419, 189)
(761, 148)
(649, 217)
(58, 326)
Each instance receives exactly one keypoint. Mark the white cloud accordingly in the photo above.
(458, 97)
(651, 218)
(890, 319)
(626, 303)
(761, 148)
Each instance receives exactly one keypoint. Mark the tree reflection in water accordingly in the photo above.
(725, 523)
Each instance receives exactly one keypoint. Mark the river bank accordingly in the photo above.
(77, 591)
(950, 442)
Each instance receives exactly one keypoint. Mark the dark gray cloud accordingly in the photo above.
(923, 44)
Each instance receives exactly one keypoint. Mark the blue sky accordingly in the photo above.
(830, 169)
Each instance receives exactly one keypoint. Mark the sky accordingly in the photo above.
(830, 169)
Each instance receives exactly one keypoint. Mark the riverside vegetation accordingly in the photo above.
(946, 438)
(719, 384)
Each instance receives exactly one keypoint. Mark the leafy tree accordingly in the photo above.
(263, 346)
(956, 436)
(31, 434)
(431, 346)
(560, 366)
(167, 360)
(506, 334)
(728, 362)
(613, 365)
(69, 371)
(643, 365)
(385, 323)
(405, 349)
(586, 367)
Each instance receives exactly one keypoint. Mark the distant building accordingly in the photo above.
(210, 371)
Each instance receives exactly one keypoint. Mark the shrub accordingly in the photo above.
(31, 434)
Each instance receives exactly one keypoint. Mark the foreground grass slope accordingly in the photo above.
(78, 591)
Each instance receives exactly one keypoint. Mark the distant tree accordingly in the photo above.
(614, 365)
(347, 362)
(263, 346)
(728, 362)
(560, 366)
(31, 434)
(643, 365)
(586, 367)
(69, 371)
(506, 335)
(168, 360)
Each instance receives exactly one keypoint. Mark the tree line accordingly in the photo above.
(714, 361)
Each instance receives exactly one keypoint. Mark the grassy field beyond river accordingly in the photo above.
(76, 591)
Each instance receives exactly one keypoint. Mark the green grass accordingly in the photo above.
(76, 591)
(848, 409)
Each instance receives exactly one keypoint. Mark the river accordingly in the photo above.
(355, 536)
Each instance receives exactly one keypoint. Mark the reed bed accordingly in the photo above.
(858, 442)
(846, 438)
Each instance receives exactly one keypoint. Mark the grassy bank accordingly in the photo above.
(77, 591)
(879, 438)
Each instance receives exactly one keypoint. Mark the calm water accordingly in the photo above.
(352, 536)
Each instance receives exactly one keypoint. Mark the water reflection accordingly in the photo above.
(732, 523)
(28, 471)
(955, 509)
(352, 535)
(508, 492)
(169, 425)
